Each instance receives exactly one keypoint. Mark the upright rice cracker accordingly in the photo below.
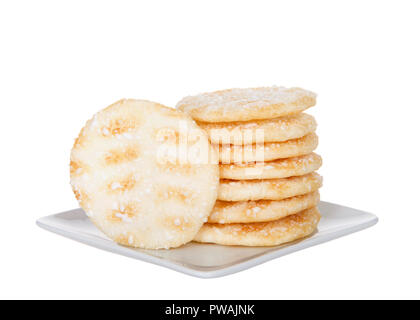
(142, 174)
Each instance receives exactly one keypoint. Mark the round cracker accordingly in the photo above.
(129, 179)
(260, 131)
(281, 168)
(271, 189)
(247, 104)
(267, 151)
(271, 233)
(261, 210)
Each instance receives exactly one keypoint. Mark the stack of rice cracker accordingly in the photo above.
(268, 192)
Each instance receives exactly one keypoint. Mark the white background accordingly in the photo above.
(61, 61)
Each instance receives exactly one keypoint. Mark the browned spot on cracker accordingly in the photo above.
(277, 184)
(122, 239)
(124, 213)
(262, 204)
(121, 155)
(125, 239)
(122, 185)
(75, 167)
(167, 135)
(119, 126)
(184, 139)
(253, 227)
(170, 192)
(81, 196)
(241, 229)
(177, 166)
(297, 218)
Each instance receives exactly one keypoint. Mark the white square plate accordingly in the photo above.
(209, 260)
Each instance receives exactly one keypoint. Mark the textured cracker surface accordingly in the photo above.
(269, 189)
(267, 151)
(271, 233)
(281, 168)
(136, 194)
(260, 131)
(261, 210)
(247, 104)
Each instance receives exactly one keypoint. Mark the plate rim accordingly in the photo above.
(111, 246)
